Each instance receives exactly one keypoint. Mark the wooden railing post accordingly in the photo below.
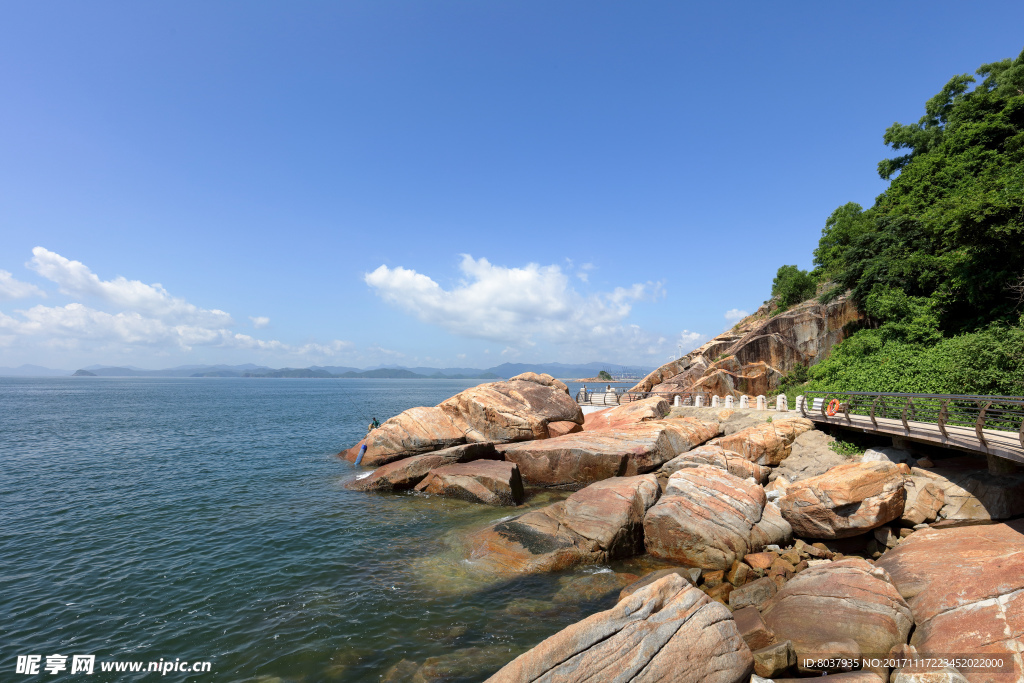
(943, 417)
(979, 426)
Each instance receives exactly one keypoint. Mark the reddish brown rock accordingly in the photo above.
(575, 460)
(775, 659)
(412, 432)
(406, 473)
(972, 494)
(599, 523)
(718, 457)
(629, 413)
(667, 631)
(752, 628)
(768, 443)
(845, 501)
(800, 336)
(754, 594)
(517, 410)
(848, 677)
(556, 429)
(492, 482)
(761, 560)
(966, 587)
(648, 579)
(709, 518)
(865, 613)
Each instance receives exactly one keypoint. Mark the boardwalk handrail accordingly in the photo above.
(981, 413)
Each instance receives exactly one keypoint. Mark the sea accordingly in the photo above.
(149, 521)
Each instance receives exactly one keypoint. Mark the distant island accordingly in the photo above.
(619, 372)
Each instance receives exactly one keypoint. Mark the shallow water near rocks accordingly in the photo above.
(205, 520)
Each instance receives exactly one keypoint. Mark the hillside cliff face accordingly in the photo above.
(753, 357)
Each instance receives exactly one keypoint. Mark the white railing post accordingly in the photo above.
(800, 404)
(729, 401)
(782, 403)
(714, 401)
(762, 403)
(698, 401)
(677, 401)
(744, 402)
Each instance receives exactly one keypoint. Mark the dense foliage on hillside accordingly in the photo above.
(937, 264)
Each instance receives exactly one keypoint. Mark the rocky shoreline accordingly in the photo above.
(787, 559)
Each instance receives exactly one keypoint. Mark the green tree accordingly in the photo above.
(793, 285)
(604, 376)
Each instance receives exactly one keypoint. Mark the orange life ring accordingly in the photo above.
(833, 407)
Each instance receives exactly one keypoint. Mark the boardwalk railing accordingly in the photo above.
(987, 424)
(615, 398)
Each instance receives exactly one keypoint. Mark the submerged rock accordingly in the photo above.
(492, 482)
(667, 631)
(594, 525)
(709, 518)
(406, 473)
(845, 501)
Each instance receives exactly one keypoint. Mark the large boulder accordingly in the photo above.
(517, 410)
(810, 455)
(847, 607)
(709, 518)
(411, 432)
(768, 443)
(716, 456)
(925, 499)
(970, 493)
(629, 413)
(406, 473)
(966, 587)
(575, 460)
(602, 522)
(493, 482)
(845, 501)
(667, 631)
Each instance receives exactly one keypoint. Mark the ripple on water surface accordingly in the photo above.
(205, 519)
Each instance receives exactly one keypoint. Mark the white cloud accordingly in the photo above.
(583, 272)
(509, 305)
(75, 279)
(735, 314)
(691, 340)
(141, 317)
(15, 289)
(259, 321)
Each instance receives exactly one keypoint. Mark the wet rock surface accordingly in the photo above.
(492, 482)
(665, 631)
(408, 472)
(594, 525)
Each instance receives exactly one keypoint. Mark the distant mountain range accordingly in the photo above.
(504, 370)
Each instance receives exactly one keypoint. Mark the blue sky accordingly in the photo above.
(437, 183)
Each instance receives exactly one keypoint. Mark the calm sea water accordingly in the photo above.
(205, 520)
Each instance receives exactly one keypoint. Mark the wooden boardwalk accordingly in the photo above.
(991, 442)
